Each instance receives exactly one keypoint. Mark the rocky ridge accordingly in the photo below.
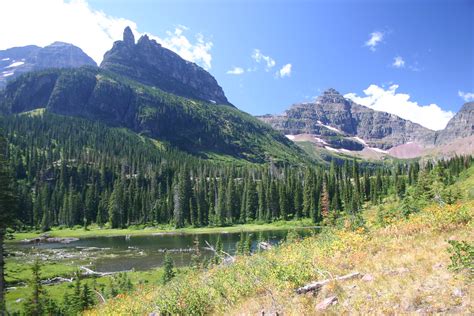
(18, 60)
(148, 62)
(339, 123)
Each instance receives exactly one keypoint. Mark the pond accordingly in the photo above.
(122, 253)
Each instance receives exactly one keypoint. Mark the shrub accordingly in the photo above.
(462, 256)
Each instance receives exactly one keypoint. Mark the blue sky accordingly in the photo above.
(421, 53)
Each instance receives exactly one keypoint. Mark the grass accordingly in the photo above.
(15, 298)
(95, 231)
(405, 268)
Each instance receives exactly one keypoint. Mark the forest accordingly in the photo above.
(72, 171)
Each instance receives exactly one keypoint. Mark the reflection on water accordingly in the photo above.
(123, 253)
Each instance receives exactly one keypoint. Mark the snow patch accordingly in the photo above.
(409, 143)
(212, 101)
(360, 140)
(379, 150)
(292, 137)
(7, 74)
(329, 127)
(345, 150)
(15, 64)
(331, 149)
(319, 140)
(5, 59)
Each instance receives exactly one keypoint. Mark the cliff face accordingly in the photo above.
(149, 63)
(18, 60)
(331, 115)
(460, 126)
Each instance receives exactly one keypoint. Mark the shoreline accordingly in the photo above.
(106, 232)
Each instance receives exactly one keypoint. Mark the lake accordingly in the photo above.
(121, 253)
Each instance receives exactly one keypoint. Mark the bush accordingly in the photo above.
(462, 256)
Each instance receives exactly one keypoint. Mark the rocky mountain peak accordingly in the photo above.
(150, 63)
(331, 96)
(128, 37)
(18, 60)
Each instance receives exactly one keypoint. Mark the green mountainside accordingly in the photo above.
(197, 127)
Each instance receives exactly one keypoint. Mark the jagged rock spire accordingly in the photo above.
(128, 37)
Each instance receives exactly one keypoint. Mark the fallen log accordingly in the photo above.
(56, 280)
(317, 285)
(88, 272)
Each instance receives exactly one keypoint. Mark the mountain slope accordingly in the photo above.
(150, 63)
(18, 60)
(197, 127)
(332, 116)
(460, 126)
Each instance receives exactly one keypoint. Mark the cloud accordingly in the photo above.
(379, 99)
(285, 71)
(236, 71)
(374, 40)
(198, 52)
(466, 96)
(259, 57)
(77, 23)
(398, 62)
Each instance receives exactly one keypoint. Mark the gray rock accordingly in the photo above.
(333, 117)
(460, 126)
(150, 63)
(368, 278)
(326, 303)
(19, 60)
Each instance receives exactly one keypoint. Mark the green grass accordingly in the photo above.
(95, 231)
(57, 291)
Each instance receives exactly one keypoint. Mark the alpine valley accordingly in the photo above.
(136, 187)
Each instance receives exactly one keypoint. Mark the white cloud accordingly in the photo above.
(398, 62)
(259, 57)
(285, 71)
(374, 40)
(44, 22)
(466, 96)
(236, 71)
(379, 99)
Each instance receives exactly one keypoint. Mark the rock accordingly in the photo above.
(368, 278)
(18, 60)
(334, 118)
(460, 126)
(323, 305)
(128, 37)
(437, 266)
(150, 63)
(457, 292)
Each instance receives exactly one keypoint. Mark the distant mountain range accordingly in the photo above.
(18, 60)
(153, 91)
(340, 126)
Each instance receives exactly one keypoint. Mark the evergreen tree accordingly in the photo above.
(8, 204)
(168, 269)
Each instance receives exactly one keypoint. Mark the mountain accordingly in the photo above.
(202, 128)
(149, 63)
(460, 126)
(18, 60)
(340, 125)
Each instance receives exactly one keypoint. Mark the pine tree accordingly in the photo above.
(35, 305)
(168, 269)
(8, 204)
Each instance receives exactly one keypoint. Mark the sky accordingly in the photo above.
(412, 58)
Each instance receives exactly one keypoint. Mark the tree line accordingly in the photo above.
(76, 172)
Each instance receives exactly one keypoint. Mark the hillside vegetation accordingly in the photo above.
(407, 260)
